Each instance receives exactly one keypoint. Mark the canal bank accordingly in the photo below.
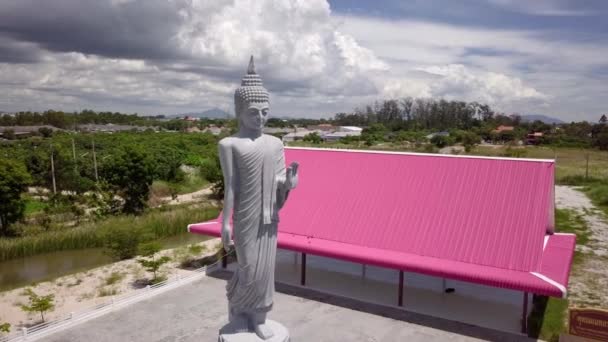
(85, 289)
(47, 266)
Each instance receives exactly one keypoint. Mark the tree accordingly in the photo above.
(9, 134)
(45, 132)
(600, 140)
(14, 180)
(210, 170)
(313, 137)
(441, 141)
(152, 264)
(469, 140)
(38, 303)
(131, 172)
(603, 119)
(373, 133)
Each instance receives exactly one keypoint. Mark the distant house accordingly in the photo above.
(503, 128)
(534, 138)
(299, 135)
(193, 129)
(111, 128)
(278, 130)
(26, 131)
(190, 118)
(322, 127)
(213, 129)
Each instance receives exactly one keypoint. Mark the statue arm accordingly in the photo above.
(287, 178)
(226, 162)
(281, 175)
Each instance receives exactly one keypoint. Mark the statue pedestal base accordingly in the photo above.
(230, 333)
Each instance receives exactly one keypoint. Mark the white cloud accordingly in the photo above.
(297, 48)
(515, 70)
(457, 82)
(316, 63)
(544, 7)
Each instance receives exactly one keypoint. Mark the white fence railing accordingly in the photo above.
(44, 329)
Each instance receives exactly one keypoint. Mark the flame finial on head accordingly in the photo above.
(251, 90)
(251, 67)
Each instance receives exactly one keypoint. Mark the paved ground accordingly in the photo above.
(196, 312)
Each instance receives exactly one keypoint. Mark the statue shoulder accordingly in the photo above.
(274, 140)
(226, 144)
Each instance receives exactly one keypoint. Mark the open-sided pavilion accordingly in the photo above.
(482, 220)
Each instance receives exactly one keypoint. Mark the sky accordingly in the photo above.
(316, 57)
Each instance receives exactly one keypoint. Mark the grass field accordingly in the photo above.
(571, 163)
(33, 206)
(193, 182)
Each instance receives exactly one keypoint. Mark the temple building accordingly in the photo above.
(465, 238)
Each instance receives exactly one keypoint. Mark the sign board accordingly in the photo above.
(589, 323)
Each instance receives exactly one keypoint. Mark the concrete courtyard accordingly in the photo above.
(195, 312)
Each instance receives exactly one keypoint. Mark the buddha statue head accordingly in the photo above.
(251, 101)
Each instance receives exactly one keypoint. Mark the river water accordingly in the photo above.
(25, 271)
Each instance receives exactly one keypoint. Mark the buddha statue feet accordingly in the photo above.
(278, 333)
(263, 331)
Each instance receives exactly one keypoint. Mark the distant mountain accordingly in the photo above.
(214, 113)
(540, 117)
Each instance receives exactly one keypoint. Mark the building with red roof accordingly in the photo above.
(482, 220)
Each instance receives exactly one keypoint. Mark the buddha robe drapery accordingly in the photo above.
(258, 180)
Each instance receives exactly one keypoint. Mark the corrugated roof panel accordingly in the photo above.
(482, 211)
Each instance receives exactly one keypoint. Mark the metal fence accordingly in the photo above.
(115, 302)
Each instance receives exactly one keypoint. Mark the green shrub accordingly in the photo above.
(152, 264)
(103, 292)
(195, 249)
(38, 303)
(114, 278)
(122, 242)
(442, 141)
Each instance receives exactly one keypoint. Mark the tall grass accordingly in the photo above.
(547, 319)
(153, 225)
(598, 193)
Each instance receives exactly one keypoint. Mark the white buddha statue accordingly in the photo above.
(256, 187)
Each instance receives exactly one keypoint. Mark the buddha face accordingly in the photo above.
(254, 117)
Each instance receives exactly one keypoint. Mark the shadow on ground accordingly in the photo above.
(389, 312)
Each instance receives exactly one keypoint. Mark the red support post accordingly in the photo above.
(303, 270)
(224, 258)
(400, 300)
(524, 316)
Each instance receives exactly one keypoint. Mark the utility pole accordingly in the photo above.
(95, 162)
(587, 166)
(74, 154)
(53, 171)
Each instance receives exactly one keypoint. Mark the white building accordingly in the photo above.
(335, 136)
(350, 129)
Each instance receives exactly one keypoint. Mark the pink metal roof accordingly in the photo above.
(476, 219)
